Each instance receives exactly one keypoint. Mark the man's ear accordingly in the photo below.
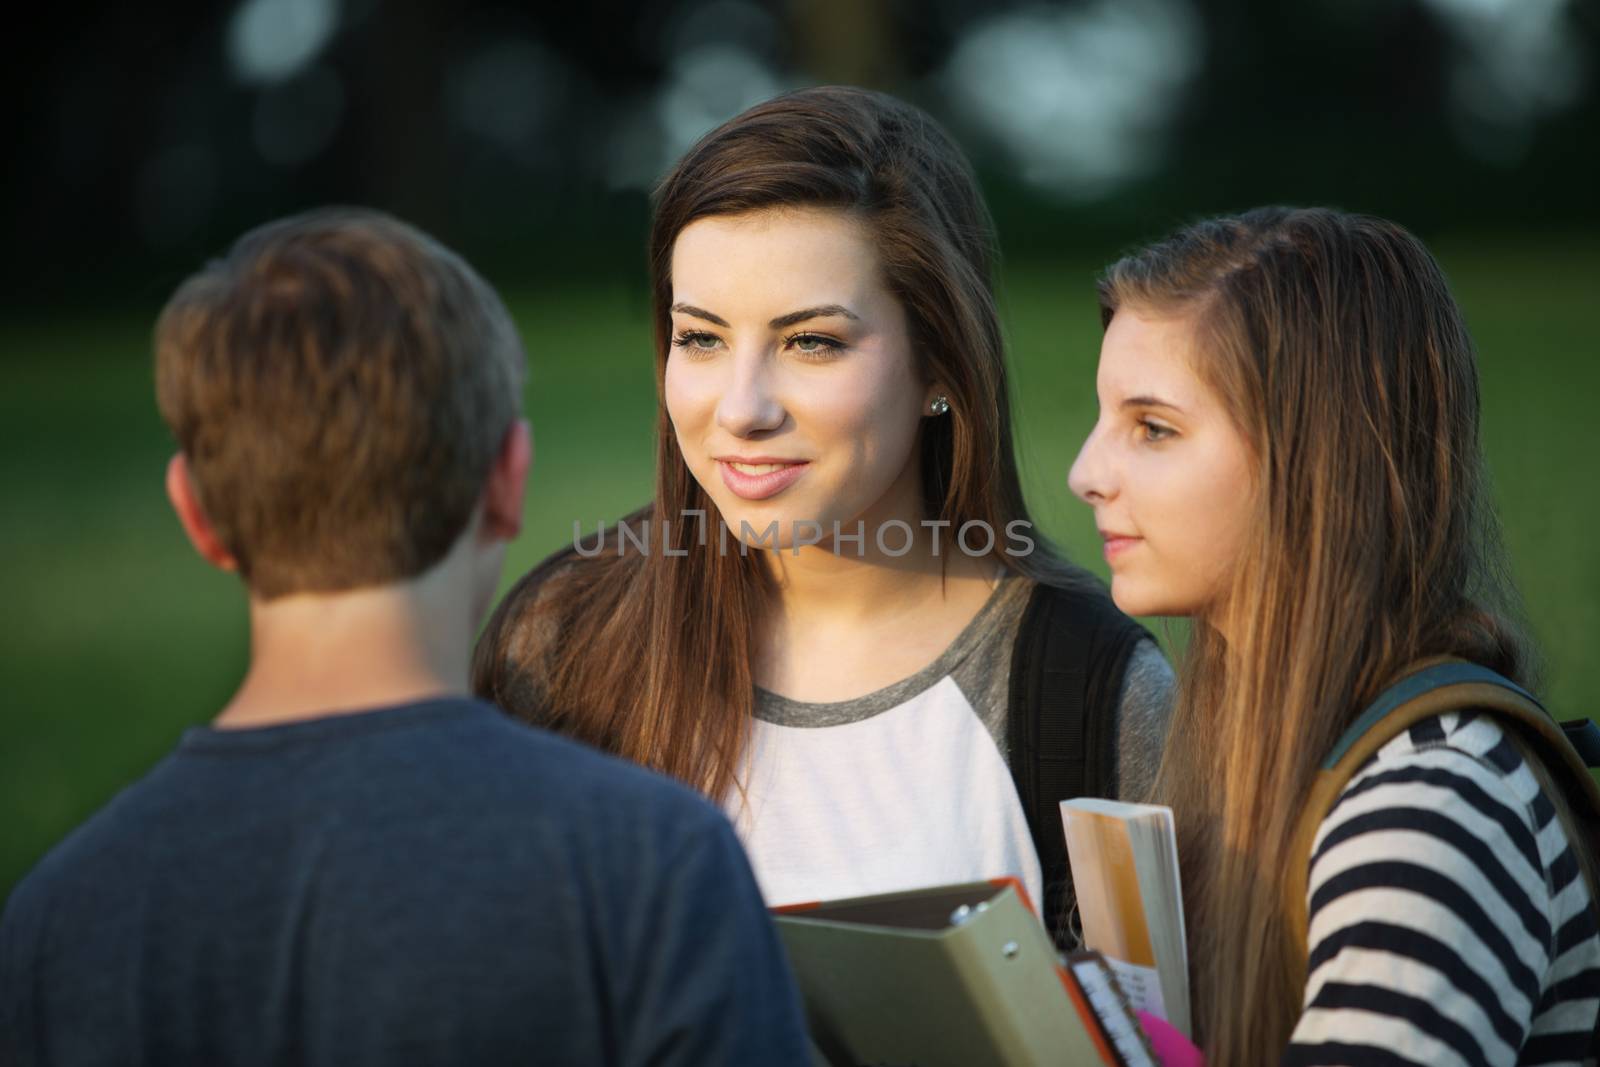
(186, 502)
(508, 479)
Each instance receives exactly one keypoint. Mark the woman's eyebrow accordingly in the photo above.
(820, 312)
(1145, 401)
(701, 313)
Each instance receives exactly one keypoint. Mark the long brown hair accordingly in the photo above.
(1344, 362)
(649, 655)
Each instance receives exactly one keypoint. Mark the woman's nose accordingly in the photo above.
(1089, 477)
(749, 404)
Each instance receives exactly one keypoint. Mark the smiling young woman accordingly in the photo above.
(865, 652)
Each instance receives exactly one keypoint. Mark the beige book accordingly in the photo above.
(1130, 901)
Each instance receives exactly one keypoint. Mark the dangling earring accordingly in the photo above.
(940, 405)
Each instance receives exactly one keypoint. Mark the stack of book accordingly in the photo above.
(967, 974)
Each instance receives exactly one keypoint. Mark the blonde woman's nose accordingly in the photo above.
(1089, 478)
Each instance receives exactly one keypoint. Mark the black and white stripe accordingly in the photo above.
(1450, 923)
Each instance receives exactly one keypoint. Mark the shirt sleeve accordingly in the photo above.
(713, 986)
(1430, 919)
(1144, 712)
(19, 927)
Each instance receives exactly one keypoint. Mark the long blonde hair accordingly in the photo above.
(1339, 353)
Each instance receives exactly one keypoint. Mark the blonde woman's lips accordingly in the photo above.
(1118, 544)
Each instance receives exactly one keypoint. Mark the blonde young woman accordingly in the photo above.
(1287, 452)
(835, 616)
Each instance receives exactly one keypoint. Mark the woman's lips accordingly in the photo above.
(752, 486)
(1117, 545)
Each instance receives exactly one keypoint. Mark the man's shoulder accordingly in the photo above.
(94, 854)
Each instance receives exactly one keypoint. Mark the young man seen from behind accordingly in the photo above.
(355, 863)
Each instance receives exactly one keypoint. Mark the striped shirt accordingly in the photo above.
(1450, 922)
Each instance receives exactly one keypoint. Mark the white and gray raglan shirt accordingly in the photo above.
(910, 786)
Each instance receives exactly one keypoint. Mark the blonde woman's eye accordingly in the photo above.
(1154, 431)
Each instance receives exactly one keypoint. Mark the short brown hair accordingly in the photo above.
(339, 383)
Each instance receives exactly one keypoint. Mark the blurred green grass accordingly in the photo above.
(119, 637)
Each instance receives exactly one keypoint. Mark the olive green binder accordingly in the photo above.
(958, 975)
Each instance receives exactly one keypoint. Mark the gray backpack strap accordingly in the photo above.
(1434, 689)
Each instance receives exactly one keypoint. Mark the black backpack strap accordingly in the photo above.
(1067, 667)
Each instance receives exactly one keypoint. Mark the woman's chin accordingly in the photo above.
(1135, 597)
(785, 531)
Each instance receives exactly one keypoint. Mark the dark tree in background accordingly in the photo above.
(147, 137)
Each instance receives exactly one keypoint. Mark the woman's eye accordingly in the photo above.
(1154, 431)
(696, 341)
(811, 344)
